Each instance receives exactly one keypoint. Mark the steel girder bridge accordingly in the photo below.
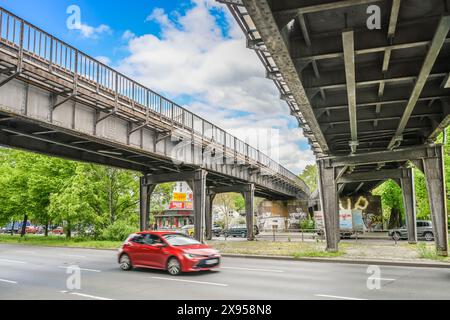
(58, 101)
(370, 101)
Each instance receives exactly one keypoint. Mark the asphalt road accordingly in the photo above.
(41, 273)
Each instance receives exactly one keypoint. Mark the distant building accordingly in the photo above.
(180, 210)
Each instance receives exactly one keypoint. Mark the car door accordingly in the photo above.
(136, 249)
(420, 229)
(152, 254)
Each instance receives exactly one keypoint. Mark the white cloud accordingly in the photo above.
(91, 32)
(127, 35)
(104, 60)
(192, 57)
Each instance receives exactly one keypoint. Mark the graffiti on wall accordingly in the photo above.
(370, 206)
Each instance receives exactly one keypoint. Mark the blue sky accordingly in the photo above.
(191, 51)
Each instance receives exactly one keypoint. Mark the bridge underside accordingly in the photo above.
(358, 89)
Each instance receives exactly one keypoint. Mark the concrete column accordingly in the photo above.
(144, 204)
(329, 203)
(199, 189)
(208, 218)
(435, 180)
(249, 197)
(409, 202)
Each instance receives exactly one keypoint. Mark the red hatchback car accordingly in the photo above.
(171, 251)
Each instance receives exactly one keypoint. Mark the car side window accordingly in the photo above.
(151, 239)
(138, 239)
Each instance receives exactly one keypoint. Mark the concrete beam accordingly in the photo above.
(370, 176)
(399, 155)
(169, 177)
(349, 59)
(433, 52)
(324, 7)
(340, 55)
(377, 102)
(394, 18)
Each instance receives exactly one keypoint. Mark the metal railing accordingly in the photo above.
(32, 43)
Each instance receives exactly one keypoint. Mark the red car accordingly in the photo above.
(58, 231)
(165, 250)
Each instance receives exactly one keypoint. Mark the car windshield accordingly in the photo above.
(178, 240)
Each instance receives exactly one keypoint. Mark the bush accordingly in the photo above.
(118, 231)
(308, 224)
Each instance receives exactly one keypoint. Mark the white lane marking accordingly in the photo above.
(337, 297)
(13, 261)
(82, 269)
(85, 295)
(383, 279)
(72, 256)
(251, 269)
(8, 281)
(191, 281)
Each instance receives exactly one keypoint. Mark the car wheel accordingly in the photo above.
(396, 236)
(125, 263)
(174, 266)
(428, 236)
(244, 235)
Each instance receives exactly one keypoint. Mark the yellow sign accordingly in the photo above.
(179, 197)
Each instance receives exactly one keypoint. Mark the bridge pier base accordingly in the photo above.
(329, 202)
(409, 202)
(433, 168)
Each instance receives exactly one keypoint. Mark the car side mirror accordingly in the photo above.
(159, 245)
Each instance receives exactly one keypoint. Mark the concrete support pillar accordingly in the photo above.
(435, 180)
(409, 201)
(144, 203)
(198, 186)
(329, 201)
(208, 218)
(249, 197)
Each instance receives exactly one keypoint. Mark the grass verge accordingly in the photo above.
(290, 249)
(59, 241)
(429, 252)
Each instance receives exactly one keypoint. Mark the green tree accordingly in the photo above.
(391, 199)
(27, 181)
(97, 197)
(309, 175)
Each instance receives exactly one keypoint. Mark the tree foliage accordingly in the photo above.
(309, 175)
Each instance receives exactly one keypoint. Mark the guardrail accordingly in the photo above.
(62, 57)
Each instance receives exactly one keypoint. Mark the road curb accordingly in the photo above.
(346, 261)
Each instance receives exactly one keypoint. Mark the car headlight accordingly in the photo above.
(192, 256)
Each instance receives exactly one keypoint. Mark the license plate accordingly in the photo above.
(212, 261)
